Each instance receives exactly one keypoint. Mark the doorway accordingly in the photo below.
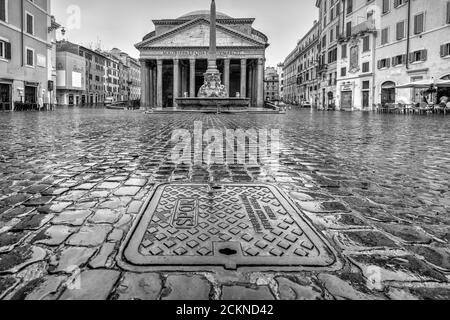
(346, 100)
(30, 94)
(5, 97)
(365, 99)
(388, 92)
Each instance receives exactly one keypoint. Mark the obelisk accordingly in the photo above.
(212, 87)
(212, 59)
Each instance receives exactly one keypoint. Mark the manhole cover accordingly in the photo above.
(231, 226)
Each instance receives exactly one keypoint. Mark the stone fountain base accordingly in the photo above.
(213, 104)
(213, 97)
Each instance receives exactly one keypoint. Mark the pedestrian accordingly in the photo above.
(425, 100)
(40, 103)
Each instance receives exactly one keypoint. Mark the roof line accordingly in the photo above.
(192, 22)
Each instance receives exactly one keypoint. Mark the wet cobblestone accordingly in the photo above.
(72, 182)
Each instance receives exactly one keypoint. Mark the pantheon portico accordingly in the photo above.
(174, 58)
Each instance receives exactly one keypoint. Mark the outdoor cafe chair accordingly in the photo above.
(392, 108)
(423, 107)
(409, 108)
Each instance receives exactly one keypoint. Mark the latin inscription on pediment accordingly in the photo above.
(198, 36)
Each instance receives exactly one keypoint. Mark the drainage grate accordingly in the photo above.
(230, 226)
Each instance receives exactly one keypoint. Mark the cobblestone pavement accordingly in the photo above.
(73, 181)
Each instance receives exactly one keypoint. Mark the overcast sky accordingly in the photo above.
(121, 24)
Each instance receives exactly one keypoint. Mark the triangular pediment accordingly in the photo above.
(196, 34)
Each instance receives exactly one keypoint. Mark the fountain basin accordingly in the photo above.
(212, 104)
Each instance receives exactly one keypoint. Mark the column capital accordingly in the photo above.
(261, 60)
(243, 61)
(159, 62)
(192, 61)
(176, 59)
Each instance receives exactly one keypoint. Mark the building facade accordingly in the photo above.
(356, 56)
(130, 76)
(27, 45)
(331, 26)
(369, 47)
(307, 78)
(112, 77)
(280, 71)
(300, 69)
(80, 75)
(271, 84)
(291, 90)
(94, 92)
(174, 58)
(413, 44)
(70, 74)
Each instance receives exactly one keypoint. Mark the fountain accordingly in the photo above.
(213, 96)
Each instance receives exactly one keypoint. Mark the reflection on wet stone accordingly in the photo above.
(70, 204)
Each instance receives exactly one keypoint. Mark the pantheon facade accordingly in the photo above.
(174, 58)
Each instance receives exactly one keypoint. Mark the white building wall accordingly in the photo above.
(437, 33)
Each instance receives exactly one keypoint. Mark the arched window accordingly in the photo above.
(388, 92)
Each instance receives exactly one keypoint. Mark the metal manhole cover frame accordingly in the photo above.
(183, 263)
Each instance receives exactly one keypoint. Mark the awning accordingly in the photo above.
(425, 84)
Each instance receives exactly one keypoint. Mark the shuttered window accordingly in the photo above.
(399, 60)
(30, 57)
(344, 51)
(385, 36)
(30, 24)
(5, 50)
(3, 10)
(366, 43)
(419, 23)
(366, 67)
(349, 6)
(417, 56)
(400, 30)
(445, 50)
(385, 6)
(384, 63)
(398, 3)
(448, 12)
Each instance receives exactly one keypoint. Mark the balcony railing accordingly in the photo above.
(322, 67)
(366, 26)
(360, 29)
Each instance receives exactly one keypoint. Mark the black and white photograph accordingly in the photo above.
(216, 153)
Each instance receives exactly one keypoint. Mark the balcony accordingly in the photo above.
(364, 27)
(358, 30)
(322, 68)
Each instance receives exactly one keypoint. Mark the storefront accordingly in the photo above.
(365, 93)
(5, 96)
(347, 97)
(31, 92)
(388, 92)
